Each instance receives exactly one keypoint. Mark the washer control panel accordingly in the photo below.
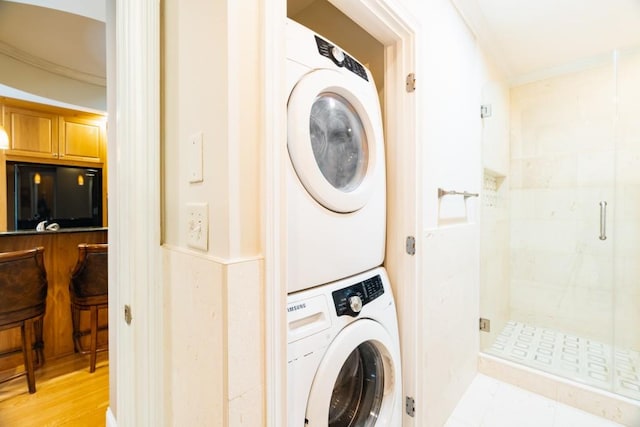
(340, 58)
(349, 301)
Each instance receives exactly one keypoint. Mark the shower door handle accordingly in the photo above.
(603, 220)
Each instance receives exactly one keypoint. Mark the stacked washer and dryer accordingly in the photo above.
(343, 344)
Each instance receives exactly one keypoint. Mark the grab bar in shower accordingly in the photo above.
(603, 220)
(442, 193)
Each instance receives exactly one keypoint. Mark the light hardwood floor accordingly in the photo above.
(67, 395)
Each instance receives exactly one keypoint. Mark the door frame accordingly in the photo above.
(397, 30)
(136, 356)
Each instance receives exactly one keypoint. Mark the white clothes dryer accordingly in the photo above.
(336, 191)
(343, 352)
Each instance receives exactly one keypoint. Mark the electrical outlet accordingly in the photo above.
(198, 225)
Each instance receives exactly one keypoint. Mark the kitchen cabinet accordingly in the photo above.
(80, 139)
(54, 135)
(32, 133)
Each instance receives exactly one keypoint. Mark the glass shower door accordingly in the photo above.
(626, 333)
(557, 205)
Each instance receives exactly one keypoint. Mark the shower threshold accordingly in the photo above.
(570, 356)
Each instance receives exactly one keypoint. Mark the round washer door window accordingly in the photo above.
(357, 381)
(334, 139)
(359, 389)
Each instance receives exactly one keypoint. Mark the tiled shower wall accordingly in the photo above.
(570, 143)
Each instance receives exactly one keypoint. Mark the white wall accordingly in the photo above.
(452, 75)
(214, 314)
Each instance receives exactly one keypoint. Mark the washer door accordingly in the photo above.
(357, 380)
(335, 138)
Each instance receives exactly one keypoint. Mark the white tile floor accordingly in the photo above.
(492, 403)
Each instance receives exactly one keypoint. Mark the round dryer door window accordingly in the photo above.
(335, 138)
(356, 382)
(338, 141)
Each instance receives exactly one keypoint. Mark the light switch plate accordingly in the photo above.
(198, 225)
(195, 158)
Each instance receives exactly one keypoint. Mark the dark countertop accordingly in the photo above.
(62, 230)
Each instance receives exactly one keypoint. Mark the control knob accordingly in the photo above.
(355, 302)
(338, 54)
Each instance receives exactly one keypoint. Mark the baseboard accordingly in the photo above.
(111, 420)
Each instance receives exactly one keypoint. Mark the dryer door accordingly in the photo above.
(335, 138)
(358, 380)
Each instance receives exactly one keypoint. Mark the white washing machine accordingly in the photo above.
(343, 352)
(336, 191)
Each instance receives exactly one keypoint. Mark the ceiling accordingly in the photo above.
(69, 44)
(527, 37)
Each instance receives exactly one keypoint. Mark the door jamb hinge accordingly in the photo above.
(127, 314)
(485, 324)
(410, 245)
(410, 406)
(485, 111)
(411, 82)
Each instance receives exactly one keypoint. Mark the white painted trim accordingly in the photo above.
(110, 419)
(134, 216)
(275, 132)
(213, 258)
(572, 67)
(395, 28)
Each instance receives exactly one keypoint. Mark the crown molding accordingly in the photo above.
(61, 70)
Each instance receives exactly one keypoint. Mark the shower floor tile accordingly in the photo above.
(570, 356)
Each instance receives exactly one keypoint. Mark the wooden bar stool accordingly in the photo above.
(23, 298)
(88, 290)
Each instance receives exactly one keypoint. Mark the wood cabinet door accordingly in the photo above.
(81, 139)
(32, 133)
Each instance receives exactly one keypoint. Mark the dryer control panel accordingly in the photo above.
(340, 58)
(349, 301)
